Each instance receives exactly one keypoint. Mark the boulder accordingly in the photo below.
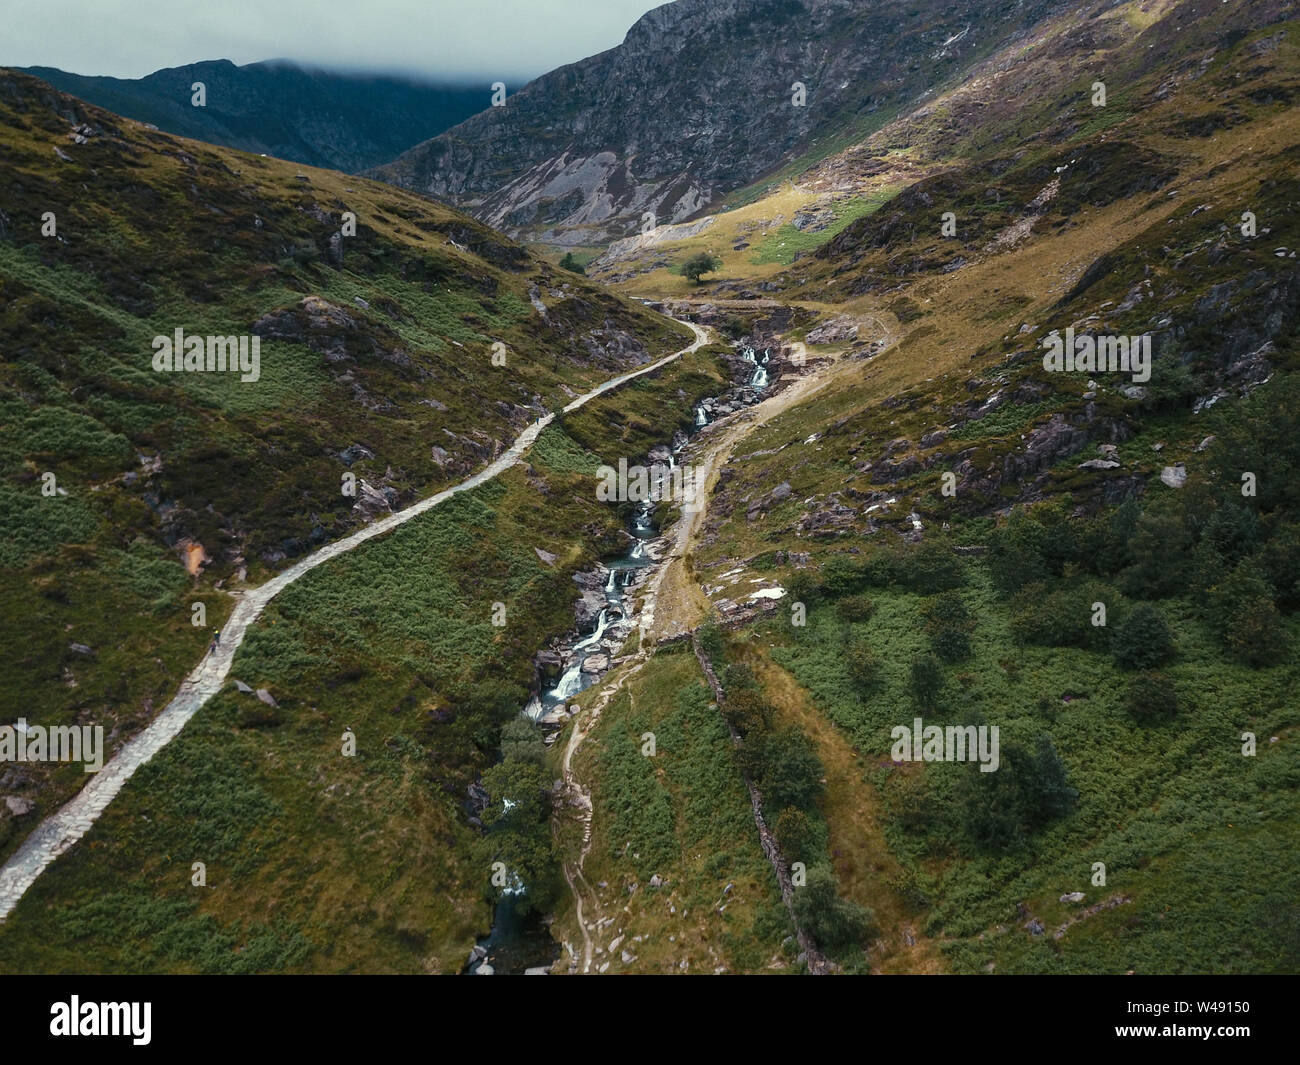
(18, 806)
(1174, 476)
(266, 697)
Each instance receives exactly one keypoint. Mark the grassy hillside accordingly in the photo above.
(376, 362)
(954, 512)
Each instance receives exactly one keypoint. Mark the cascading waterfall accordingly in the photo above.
(759, 377)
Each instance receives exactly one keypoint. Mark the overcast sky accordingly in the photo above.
(509, 39)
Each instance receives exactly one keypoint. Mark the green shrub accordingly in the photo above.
(738, 677)
(843, 575)
(786, 768)
(999, 809)
(1015, 557)
(863, 666)
(948, 625)
(801, 838)
(747, 711)
(521, 741)
(927, 681)
(1158, 548)
(1244, 617)
(929, 567)
(836, 924)
(711, 643)
(950, 644)
(1142, 640)
(855, 608)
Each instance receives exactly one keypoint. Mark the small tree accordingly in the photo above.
(800, 837)
(570, 263)
(791, 772)
(927, 681)
(863, 666)
(698, 265)
(855, 608)
(1142, 640)
(837, 924)
(948, 624)
(1247, 621)
(521, 741)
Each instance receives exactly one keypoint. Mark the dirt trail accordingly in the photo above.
(578, 796)
(676, 603)
(58, 832)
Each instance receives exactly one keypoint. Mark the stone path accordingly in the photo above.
(62, 829)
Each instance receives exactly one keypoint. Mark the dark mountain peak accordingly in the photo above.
(340, 120)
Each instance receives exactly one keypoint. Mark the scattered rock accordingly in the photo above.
(265, 696)
(1174, 476)
(1072, 896)
(18, 806)
(595, 663)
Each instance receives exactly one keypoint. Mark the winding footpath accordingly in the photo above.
(58, 832)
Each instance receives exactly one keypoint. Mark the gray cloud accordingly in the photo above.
(506, 39)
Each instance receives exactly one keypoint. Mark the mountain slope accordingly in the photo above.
(341, 121)
(696, 102)
(950, 513)
(155, 491)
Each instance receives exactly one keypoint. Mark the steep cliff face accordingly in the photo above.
(699, 100)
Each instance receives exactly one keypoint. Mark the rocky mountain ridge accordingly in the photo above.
(725, 93)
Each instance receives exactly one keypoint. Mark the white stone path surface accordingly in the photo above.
(62, 829)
